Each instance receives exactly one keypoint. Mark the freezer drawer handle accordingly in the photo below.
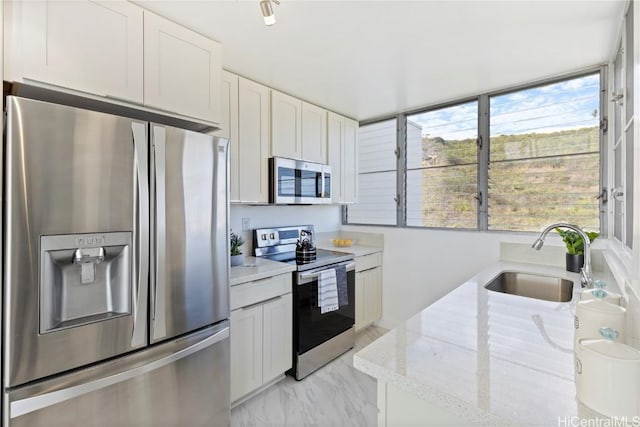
(31, 404)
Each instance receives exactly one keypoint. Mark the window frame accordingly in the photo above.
(483, 144)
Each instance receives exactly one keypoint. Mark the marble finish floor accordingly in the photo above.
(335, 395)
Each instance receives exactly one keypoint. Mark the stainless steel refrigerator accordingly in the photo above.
(115, 281)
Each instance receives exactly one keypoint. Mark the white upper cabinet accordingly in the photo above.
(335, 135)
(350, 162)
(229, 130)
(245, 123)
(286, 126)
(314, 133)
(342, 148)
(114, 49)
(89, 46)
(253, 141)
(182, 70)
(298, 129)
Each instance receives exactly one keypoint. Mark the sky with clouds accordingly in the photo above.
(565, 105)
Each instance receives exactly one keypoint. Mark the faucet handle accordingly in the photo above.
(585, 278)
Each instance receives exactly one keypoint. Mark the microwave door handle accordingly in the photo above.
(141, 235)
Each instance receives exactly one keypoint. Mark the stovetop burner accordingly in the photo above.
(279, 244)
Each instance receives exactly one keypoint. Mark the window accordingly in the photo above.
(377, 188)
(621, 189)
(544, 156)
(512, 161)
(442, 167)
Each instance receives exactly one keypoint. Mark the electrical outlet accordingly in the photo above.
(246, 224)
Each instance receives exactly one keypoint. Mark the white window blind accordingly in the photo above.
(376, 175)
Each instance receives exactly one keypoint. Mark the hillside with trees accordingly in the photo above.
(534, 179)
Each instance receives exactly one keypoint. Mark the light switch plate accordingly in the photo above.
(246, 224)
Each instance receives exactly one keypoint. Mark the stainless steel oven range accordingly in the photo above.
(320, 332)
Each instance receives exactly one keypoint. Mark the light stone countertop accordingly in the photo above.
(256, 269)
(356, 250)
(483, 355)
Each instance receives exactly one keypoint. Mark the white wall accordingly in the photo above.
(422, 265)
(323, 218)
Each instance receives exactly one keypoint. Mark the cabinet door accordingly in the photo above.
(182, 70)
(89, 46)
(286, 125)
(229, 130)
(278, 336)
(314, 133)
(335, 134)
(253, 141)
(350, 162)
(246, 351)
(373, 295)
(360, 299)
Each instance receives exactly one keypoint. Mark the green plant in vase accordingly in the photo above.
(235, 249)
(575, 247)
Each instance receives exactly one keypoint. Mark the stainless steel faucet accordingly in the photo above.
(585, 271)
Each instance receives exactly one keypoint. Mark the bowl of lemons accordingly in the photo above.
(342, 243)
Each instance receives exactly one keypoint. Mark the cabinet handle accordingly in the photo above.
(247, 307)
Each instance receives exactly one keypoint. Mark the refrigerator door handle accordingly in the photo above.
(35, 403)
(159, 329)
(141, 244)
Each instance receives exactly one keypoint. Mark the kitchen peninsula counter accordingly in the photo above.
(479, 357)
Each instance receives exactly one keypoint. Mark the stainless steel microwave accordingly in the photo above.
(296, 182)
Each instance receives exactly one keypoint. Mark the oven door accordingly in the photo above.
(310, 327)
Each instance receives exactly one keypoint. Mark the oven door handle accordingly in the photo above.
(304, 278)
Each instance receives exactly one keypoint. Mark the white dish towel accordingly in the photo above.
(327, 291)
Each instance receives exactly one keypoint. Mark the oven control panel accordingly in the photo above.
(264, 237)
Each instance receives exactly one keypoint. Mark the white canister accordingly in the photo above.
(608, 376)
(591, 315)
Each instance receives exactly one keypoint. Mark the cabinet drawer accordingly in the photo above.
(368, 261)
(259, 290)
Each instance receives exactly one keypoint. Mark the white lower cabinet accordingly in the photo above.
(261, 333)
(277, 337)
(368, 290)
(246, 350)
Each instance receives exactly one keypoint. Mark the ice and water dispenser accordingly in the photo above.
(84, 278)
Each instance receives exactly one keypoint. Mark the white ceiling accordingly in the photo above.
(367, 59)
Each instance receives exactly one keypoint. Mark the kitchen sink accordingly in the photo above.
(528, 285)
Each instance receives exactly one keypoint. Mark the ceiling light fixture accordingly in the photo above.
(267, 11)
